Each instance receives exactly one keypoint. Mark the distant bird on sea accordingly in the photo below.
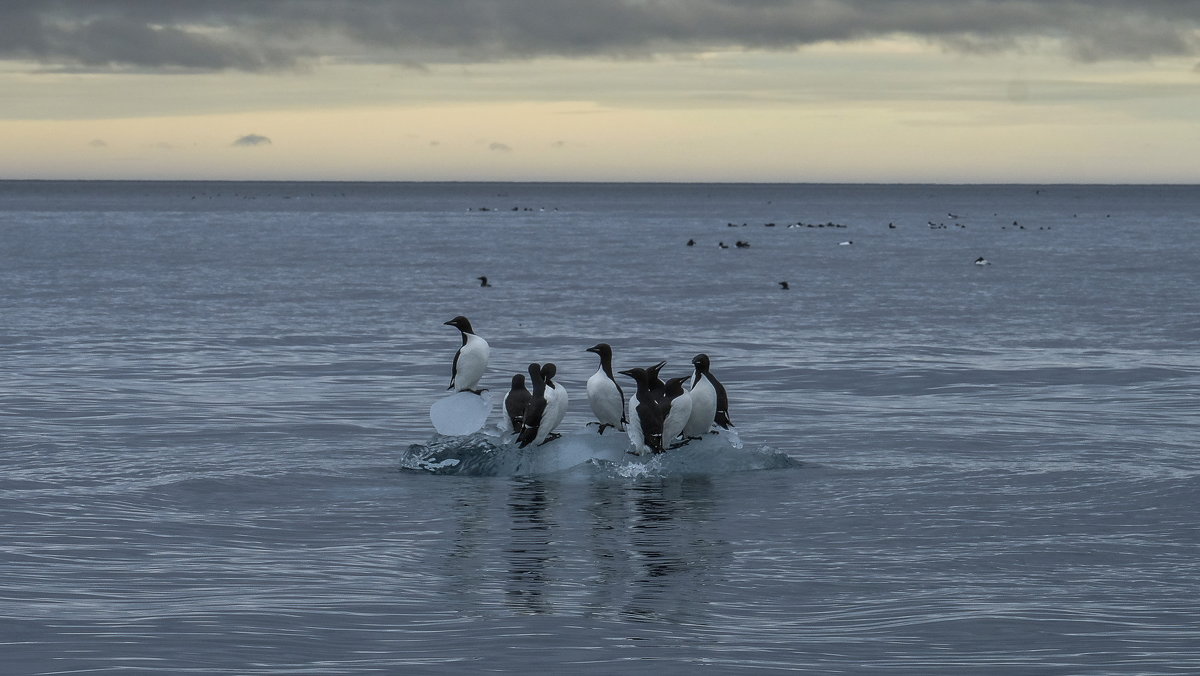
(982, 261)
(483, 281)
(846, 243)
(470, 361)
(691, 242)
(784, 286)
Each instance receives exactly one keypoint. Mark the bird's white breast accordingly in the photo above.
(704, 408)
(605, 399)
(472, 362)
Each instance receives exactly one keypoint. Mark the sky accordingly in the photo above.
(897, 91)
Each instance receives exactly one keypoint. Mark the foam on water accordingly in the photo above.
(493, 453)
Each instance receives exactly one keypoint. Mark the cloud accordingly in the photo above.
(251, 140)
(98, 143)
(261, 35)
(500, 147)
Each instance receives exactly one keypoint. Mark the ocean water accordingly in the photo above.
(216, 454)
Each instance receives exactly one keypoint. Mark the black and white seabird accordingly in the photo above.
(704, 401)
(784, 286)
(483, 280)
(470, 361)
(982, 261)
(556, 405)
(676, 408)
(653, 381)
(604, 393)
(721, 415)
(537, 407)
(516, 402)
(645, 420)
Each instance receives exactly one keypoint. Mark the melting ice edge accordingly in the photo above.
(585, 452)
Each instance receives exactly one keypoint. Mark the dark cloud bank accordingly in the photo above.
(259, 35)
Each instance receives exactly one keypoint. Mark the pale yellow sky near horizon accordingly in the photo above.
(884, 110)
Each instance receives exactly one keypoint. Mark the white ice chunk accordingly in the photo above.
(461, 413)
(573, 449)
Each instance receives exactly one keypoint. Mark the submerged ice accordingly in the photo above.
(493, 453)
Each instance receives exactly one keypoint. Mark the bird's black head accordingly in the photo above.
(549, 370)
(518, 380)
(700, 361)
(461, 323)
(638, 374)
(602, 349)
(674, 386)
(652, 372)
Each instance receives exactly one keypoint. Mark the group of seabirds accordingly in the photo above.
(661, 414)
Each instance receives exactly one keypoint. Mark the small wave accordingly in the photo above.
(586, 453)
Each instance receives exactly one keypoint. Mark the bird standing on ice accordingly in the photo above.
(704, 401)
(535, 409)
(645, 426)
(604, 394)
(721, 416)
(471, 359)
(515, 403)
(556, 404)
(676, 407)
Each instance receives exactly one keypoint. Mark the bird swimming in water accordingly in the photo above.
(483, 281)
(784, 286)
(470, 361)
(982, 261)
(604, 393)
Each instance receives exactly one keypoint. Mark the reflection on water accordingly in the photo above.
(674, 549)
(530, 549)
(642, 551)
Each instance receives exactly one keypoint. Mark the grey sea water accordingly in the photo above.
(214, 398)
